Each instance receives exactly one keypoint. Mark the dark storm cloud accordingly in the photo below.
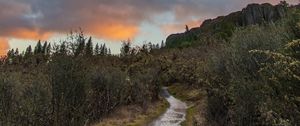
(108, 19)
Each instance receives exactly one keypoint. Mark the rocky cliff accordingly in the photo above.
(257, 14)
(251, 15)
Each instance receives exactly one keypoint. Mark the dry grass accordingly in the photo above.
(134, 115)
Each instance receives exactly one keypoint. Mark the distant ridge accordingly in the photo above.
(224, 25)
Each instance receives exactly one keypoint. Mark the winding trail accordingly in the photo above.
(174, 115)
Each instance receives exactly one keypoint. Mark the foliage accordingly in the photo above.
(73, 83)
(240, 92)
(282, 77)
(250, 75)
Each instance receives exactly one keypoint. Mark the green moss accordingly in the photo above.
(190, 116)
(189, 95)
(184, 93)
(153, 114)
(139, 119)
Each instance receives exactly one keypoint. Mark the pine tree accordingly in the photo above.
(125, 49)
(103, 50)
(89, 47)
(80, 46)
(44, 49)
(10, 53)
(109, 52)
(48, 49)
(10, 56)
(28, 51)
(17, 52)
(38, 48)
(97, 49)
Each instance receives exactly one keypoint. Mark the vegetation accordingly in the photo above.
(249, 76)
(240, 89)
(74, 83)
(134, 115)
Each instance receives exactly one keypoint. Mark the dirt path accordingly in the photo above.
(174, 115)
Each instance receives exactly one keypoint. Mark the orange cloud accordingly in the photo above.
(180, 27)
(114, 32)
(106, 19)
(23, 33)
(4, 46)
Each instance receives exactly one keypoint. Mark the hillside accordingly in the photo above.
(246, 63)
(223, 26)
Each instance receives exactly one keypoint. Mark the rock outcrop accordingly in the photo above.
(257, 14)
(251, 15)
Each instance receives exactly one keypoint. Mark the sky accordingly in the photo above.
(24, 22)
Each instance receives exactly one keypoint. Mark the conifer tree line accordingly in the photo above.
(84, 47)
(45, 49)
(74, 82)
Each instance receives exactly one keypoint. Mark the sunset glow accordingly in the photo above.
(28, 34)
(114, 32)
(3, 46)
(111, 21)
